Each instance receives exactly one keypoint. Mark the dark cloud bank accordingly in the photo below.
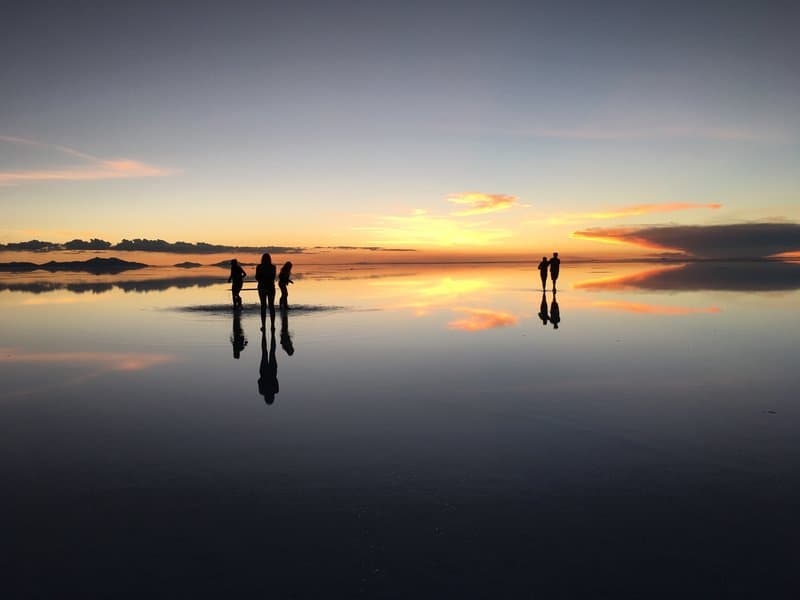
(145, 245)
(745, 240)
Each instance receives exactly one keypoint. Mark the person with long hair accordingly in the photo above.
(265, 275)
(236, 280)
(284, 279)
(543, 271)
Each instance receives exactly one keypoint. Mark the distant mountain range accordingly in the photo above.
(99, 266)
(144, 245)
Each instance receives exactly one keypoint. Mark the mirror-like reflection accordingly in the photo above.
(555, 311)
(268, 369)
(428, 407)
(752, 276)
(238, 338)
(286, 337)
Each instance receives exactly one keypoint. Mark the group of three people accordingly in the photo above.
(265, 276)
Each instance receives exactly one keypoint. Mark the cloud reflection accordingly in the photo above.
(106, 361)
(652, 309)
(479, 319)
(731, 276)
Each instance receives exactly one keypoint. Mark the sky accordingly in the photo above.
(488, 127)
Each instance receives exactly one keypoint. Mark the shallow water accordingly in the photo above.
(428, 434)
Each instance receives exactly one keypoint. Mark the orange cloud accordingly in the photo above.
(630, 211)
(96, 169)
(620, 235)
(477, 203)
(479, 319)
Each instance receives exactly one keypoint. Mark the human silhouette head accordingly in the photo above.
(234, 262)
(266, 259)
(287, 266)
(544, 258)
(555, 254)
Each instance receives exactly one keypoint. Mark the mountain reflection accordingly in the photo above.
(757, 276)
(139, 286)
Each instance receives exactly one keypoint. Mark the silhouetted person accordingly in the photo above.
(238, 339)
(543, 271)
(265, 275)
(543, 308)
(286, 337)
(268, 370)
(236, 280)
(284, 279)
(555, 312)
(555, 265)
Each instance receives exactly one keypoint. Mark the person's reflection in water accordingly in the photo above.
(238, 339)
(268, 370)
(286, 337)
(543, 310)
(555, 312)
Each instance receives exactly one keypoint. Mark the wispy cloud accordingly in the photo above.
(711, 241)
(479, 319)
(730, 134)
(632, 210)
(478, 203)
(92, 167)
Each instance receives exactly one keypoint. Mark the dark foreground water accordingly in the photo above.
(408, 432)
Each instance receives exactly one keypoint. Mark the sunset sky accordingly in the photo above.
(494, 126)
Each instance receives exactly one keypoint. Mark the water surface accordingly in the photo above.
(429, 432)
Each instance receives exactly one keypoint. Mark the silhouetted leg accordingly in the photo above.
(272, 310)
(262, 296)
(284, 301)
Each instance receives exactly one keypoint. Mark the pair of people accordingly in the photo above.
(265, 276)
(554, 264)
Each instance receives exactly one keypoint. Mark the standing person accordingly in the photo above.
(236, 280)
(543, 271)
(284, 279)
(555, 265)
(265, 275)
